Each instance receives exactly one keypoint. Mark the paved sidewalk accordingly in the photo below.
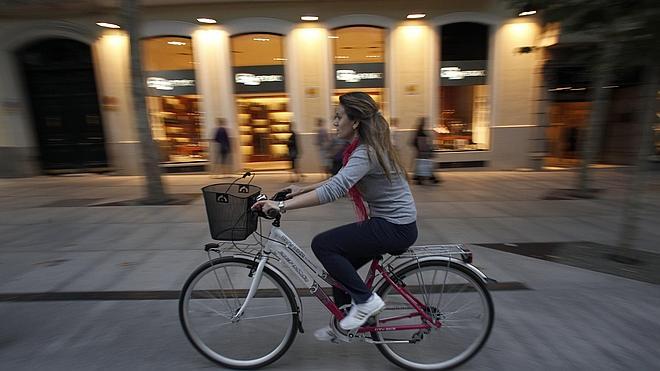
(54, 240)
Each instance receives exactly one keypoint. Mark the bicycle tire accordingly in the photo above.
(458, 283)
(230, 347)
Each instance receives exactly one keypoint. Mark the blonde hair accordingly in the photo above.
(373, 129)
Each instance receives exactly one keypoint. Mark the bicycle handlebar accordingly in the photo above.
(272, 213)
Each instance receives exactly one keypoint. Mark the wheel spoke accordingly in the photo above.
(465, 325)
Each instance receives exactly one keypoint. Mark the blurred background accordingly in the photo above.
(542, 118)
(501, 87)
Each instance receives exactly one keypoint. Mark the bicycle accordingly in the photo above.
(242, 311)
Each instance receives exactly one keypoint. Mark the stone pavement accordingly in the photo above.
(53, 240)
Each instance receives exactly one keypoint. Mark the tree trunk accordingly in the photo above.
(646, 119)
(150, 158)
(600, 97)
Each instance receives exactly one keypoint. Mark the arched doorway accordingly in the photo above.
(359, 62)
(62, 95)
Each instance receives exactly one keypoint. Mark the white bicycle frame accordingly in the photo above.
(278, 244)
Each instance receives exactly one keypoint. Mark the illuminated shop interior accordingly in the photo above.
(264, 116)
(359, 45)
(172, 99)
(464, 120)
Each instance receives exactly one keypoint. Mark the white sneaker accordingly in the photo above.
(325, 334)
(359, 313)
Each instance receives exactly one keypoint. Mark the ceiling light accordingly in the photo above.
(260, 39)
(309, 18)
(107, 25)
(279, 59)
(206, 20)
(416, 16)
(341, 57)
(526, 10)
(333, 37)
(176, 43)
(373, 56)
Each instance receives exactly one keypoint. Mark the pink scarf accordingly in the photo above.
(358, 202)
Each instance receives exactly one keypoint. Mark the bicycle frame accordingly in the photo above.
(281, 246)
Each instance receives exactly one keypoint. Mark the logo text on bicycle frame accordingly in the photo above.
(293, 265)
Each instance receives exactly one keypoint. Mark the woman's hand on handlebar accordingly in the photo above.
(265, 206)
(295, 190)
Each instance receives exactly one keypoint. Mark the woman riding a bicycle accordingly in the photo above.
(373, 175)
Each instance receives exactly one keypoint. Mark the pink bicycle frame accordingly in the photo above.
(418, 306)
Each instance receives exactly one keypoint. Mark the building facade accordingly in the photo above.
(67, 104)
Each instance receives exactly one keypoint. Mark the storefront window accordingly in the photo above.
(464, 118)
(359, 62)
(262, 104)
(172, 99)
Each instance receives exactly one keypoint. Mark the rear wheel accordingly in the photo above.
(452, 295)
(211, 297)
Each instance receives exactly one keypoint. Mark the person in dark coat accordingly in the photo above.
(292, 145)
(223, 145)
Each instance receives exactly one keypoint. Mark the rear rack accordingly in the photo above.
(452, 251)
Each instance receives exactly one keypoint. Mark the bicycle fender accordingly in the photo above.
(469, 266)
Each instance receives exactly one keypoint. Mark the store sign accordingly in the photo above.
(177, 82)
(455, 73)
(255, 80)
(359, 75)
(259, 79)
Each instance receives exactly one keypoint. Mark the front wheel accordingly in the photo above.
(211, 297)
(452, 295)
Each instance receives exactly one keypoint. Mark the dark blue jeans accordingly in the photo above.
(344, 249)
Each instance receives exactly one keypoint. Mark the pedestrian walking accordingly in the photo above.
(424, 153)
(223, 149)
(336, 154)
(292, 145)
(323, 143)
(394, 130)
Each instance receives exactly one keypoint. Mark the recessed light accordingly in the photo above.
(333, 37)
(373, 56)
(176, 43)
(206, 20)
(341, 57)
(260, 39)
(416, 16)
(309, 18)
(522, 14)
(107, 25)
(279, 59)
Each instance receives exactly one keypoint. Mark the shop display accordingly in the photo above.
(180, 139)
(265, 127)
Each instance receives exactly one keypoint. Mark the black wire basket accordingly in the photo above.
(228, 210)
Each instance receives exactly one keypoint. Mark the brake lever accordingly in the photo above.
(281, 195)
(272, 213)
